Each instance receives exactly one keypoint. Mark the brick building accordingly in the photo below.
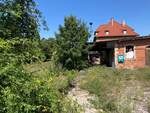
(118, 45)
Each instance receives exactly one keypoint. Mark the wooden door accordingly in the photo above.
(148, 56)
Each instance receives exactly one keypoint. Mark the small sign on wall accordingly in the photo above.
(120, 58)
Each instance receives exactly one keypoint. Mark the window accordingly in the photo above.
(130, 52)
(106, 32)
(96, 33)
(124, 32)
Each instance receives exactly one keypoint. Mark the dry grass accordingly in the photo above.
(117, 91)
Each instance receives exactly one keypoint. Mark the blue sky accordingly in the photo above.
(136, 13)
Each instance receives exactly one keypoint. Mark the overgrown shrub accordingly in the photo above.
(23, 50)
(48, 47)
(21, 92)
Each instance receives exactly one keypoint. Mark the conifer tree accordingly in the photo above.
(72, 43)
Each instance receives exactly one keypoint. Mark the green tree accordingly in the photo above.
(19, 18)
(72, 44)
(20, 22)
(48, 47)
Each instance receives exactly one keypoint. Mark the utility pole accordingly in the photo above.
(91, 30)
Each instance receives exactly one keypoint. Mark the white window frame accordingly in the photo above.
(134, 48)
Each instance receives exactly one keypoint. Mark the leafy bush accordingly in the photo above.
(21, 92)
(24, 50)
(48, 47)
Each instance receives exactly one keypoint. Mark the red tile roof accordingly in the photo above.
(115, 29)
(123, 39)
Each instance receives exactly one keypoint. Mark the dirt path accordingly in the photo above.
(141, 105)
(81, 96)
(138, 96)
(134, 92)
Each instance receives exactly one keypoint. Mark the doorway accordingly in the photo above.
(105, 54)
(148, 56)
(107, 57)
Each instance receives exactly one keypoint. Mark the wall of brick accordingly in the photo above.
(139, 60)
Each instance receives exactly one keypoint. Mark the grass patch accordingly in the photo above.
(115, 90)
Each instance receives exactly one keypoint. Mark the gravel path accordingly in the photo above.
(81, 96)
(141, 105)
(139, 95)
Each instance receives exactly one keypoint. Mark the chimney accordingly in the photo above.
(123, 23)
(112, 21)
